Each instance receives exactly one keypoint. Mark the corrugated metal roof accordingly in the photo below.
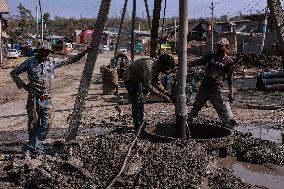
(4, 6)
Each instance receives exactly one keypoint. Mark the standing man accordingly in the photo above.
(40, 70)
(219, 68)
(146, 72)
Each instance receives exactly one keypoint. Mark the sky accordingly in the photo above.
(90, 8)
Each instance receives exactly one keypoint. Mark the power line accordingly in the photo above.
(243, 10)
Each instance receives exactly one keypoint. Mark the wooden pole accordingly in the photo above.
(88, 71)
(155, 28)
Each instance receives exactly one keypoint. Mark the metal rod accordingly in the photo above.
(148, 13)
(88, 71)
(132, 31)
(212, 25)
(163, 23)
(155, 27)
(120, 29)
(181, 107)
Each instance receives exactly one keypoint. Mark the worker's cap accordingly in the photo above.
(167, 60)
(223, 42)
(43, 48)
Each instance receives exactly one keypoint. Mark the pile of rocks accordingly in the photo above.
(257, 151)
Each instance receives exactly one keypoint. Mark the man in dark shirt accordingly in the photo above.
(219, 68)
(146, 72)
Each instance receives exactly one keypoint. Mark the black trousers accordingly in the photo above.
(135, 92)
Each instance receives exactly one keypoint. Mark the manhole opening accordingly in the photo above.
(197, 131)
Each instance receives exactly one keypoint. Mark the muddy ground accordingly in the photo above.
(102, 112)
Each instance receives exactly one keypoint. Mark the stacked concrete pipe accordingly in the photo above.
(270, 81)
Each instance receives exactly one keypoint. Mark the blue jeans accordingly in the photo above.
(40, 116)
(135, 92)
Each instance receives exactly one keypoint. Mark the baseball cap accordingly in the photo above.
(223, 42)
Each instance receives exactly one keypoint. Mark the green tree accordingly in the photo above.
(46, 17)
(26, 20)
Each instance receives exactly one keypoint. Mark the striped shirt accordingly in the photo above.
(40, 75)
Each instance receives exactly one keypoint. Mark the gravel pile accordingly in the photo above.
(257, 151)
(94, 163)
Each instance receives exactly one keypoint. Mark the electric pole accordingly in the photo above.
(41, 18)
(212, 7)
(264, 29)
(1, 45)
(181, 107)
(37, 27)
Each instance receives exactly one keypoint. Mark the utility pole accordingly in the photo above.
(181, 107)
(41, 18)
(1, 45)
(132, 31)
(264, 29)
(37, 29)
(175, 33)
(212, 7)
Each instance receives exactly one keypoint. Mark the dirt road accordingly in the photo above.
(101, 108)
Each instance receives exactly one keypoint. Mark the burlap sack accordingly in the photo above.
(109, 80)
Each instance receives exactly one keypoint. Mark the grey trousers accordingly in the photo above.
(216, 99)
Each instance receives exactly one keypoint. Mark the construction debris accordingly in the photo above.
(259, 61)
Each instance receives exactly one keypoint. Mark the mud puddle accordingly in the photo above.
(267, 175)
(269, 131)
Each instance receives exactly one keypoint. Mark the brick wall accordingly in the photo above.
(232, 38)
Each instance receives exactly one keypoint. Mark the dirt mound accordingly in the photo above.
(259, 61)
